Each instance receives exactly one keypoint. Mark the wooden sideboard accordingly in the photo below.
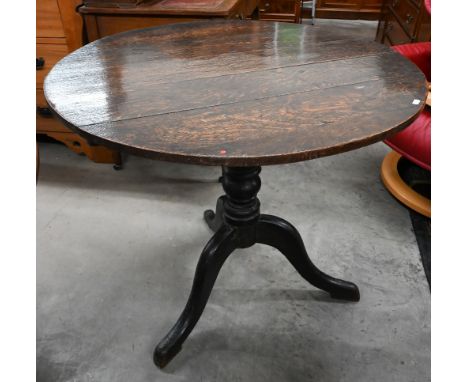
(104, 20)
(59, 31)
(403, 21)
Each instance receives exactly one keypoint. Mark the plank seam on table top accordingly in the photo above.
(162, 44)
(216, 37)
(210, 37)
(228, 103)
(326, 42)
(253, 100)
(276, 67)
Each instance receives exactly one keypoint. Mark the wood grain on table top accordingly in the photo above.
(235, 93)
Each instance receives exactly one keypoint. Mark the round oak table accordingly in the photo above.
(238, 94)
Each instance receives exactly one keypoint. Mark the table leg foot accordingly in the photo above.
(280, 234)
(215, 219)
(162, 357)
(221, 245)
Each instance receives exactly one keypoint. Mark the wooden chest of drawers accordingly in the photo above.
(403, 21)
(59, 31)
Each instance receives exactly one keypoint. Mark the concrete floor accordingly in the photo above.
(116, 253)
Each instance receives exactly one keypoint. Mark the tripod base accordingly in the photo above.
(238, 223)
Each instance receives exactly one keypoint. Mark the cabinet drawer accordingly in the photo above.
(407, 13)
(48, 21)
(51, 53)
(345, 4)
(46, 122)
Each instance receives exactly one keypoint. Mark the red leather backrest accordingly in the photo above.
(427, 3)
(419, 53)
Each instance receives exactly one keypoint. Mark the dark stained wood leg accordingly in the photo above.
(280, 234)
(238, 224)
(212, 258)
(215, 219)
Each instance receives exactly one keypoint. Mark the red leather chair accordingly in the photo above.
(413, 143)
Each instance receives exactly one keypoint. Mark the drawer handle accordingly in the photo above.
(409, 18)
(40, 62)
(43, 111)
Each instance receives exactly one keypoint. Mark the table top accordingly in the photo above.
(235, 93)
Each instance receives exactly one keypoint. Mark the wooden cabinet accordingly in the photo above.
(59, 31)
(403, 21)
(103, 20)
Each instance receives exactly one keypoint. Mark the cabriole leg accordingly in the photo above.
(280, 234)
(211, 260)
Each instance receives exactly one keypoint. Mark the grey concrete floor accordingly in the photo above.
(116, 253)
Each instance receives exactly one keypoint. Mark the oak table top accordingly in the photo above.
(235, 93)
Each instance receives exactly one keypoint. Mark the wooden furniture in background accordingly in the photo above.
(286, 10)
(232, 93)
(279, 10)
(59, 31)
(403, 21)
(349, 9)
(105, 20)
(113, 3)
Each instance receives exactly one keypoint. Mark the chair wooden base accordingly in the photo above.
(399, 189)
